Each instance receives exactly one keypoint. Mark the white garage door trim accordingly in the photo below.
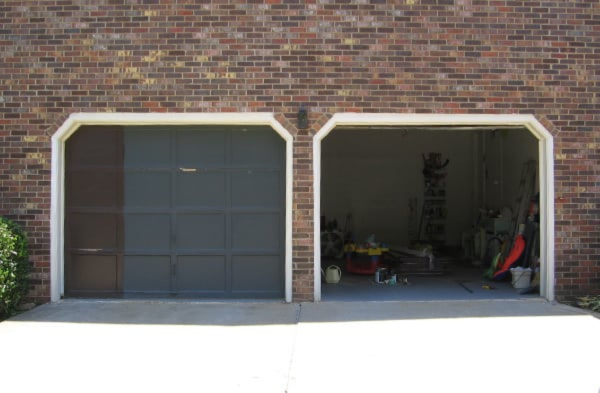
(545, 170)
(80, 119)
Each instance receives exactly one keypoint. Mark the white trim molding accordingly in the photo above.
(77, 120)
(529, 122)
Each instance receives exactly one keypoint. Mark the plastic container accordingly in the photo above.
(521, 278)
(381, 275)
(333, 274)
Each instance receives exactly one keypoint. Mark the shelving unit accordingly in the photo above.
(432, 228)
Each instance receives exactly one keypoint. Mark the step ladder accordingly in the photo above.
(525, 192)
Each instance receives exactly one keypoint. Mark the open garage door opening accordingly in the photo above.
(185, 211)
(429, 213)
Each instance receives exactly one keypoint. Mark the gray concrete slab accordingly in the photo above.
(490, 346)
(138, 346)
(484, 346)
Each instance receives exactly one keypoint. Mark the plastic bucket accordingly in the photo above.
(521, 278)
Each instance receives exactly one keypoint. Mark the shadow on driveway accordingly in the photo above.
(157, 312)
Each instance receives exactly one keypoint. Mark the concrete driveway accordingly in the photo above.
(151, 346)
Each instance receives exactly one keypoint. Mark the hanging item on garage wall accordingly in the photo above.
(413, 219)
(332, 239)
(432, 227)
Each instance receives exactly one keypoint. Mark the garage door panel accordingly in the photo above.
(93, 273)
(200, 231)
(256, 148)
(93, 188)
(256, 273)
(147, 232)
(147, 148)
(201, 147)
(255, 189)
(94, 146)
(93, 230)
(255, 231)
(200, 189)
(184, 210)
(201, 273)
(147, 189)
(147, 273)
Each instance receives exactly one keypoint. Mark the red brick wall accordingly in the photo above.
(414, 56)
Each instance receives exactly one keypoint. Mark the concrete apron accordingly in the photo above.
(490, 346)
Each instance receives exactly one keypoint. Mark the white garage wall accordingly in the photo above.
(372, 174)
(506, 153)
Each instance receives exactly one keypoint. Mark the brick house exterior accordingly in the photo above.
(502, 57)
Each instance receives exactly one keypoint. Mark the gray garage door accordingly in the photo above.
(196, 211)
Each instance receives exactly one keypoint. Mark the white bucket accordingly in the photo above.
(521, 278)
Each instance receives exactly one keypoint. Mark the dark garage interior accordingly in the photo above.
(429, 213)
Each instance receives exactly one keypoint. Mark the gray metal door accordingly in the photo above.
(203, 211)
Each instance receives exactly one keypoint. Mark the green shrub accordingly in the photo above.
(14, 267)
(589, 302)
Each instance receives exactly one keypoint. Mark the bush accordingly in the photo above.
(589, 302)
(14, 267)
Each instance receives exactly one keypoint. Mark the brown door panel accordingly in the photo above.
(94, 214)
(93, 273)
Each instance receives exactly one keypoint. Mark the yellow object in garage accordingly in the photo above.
(371, 251)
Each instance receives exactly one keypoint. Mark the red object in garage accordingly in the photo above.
(363, 267)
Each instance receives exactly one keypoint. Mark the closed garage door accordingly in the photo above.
(187, 211)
